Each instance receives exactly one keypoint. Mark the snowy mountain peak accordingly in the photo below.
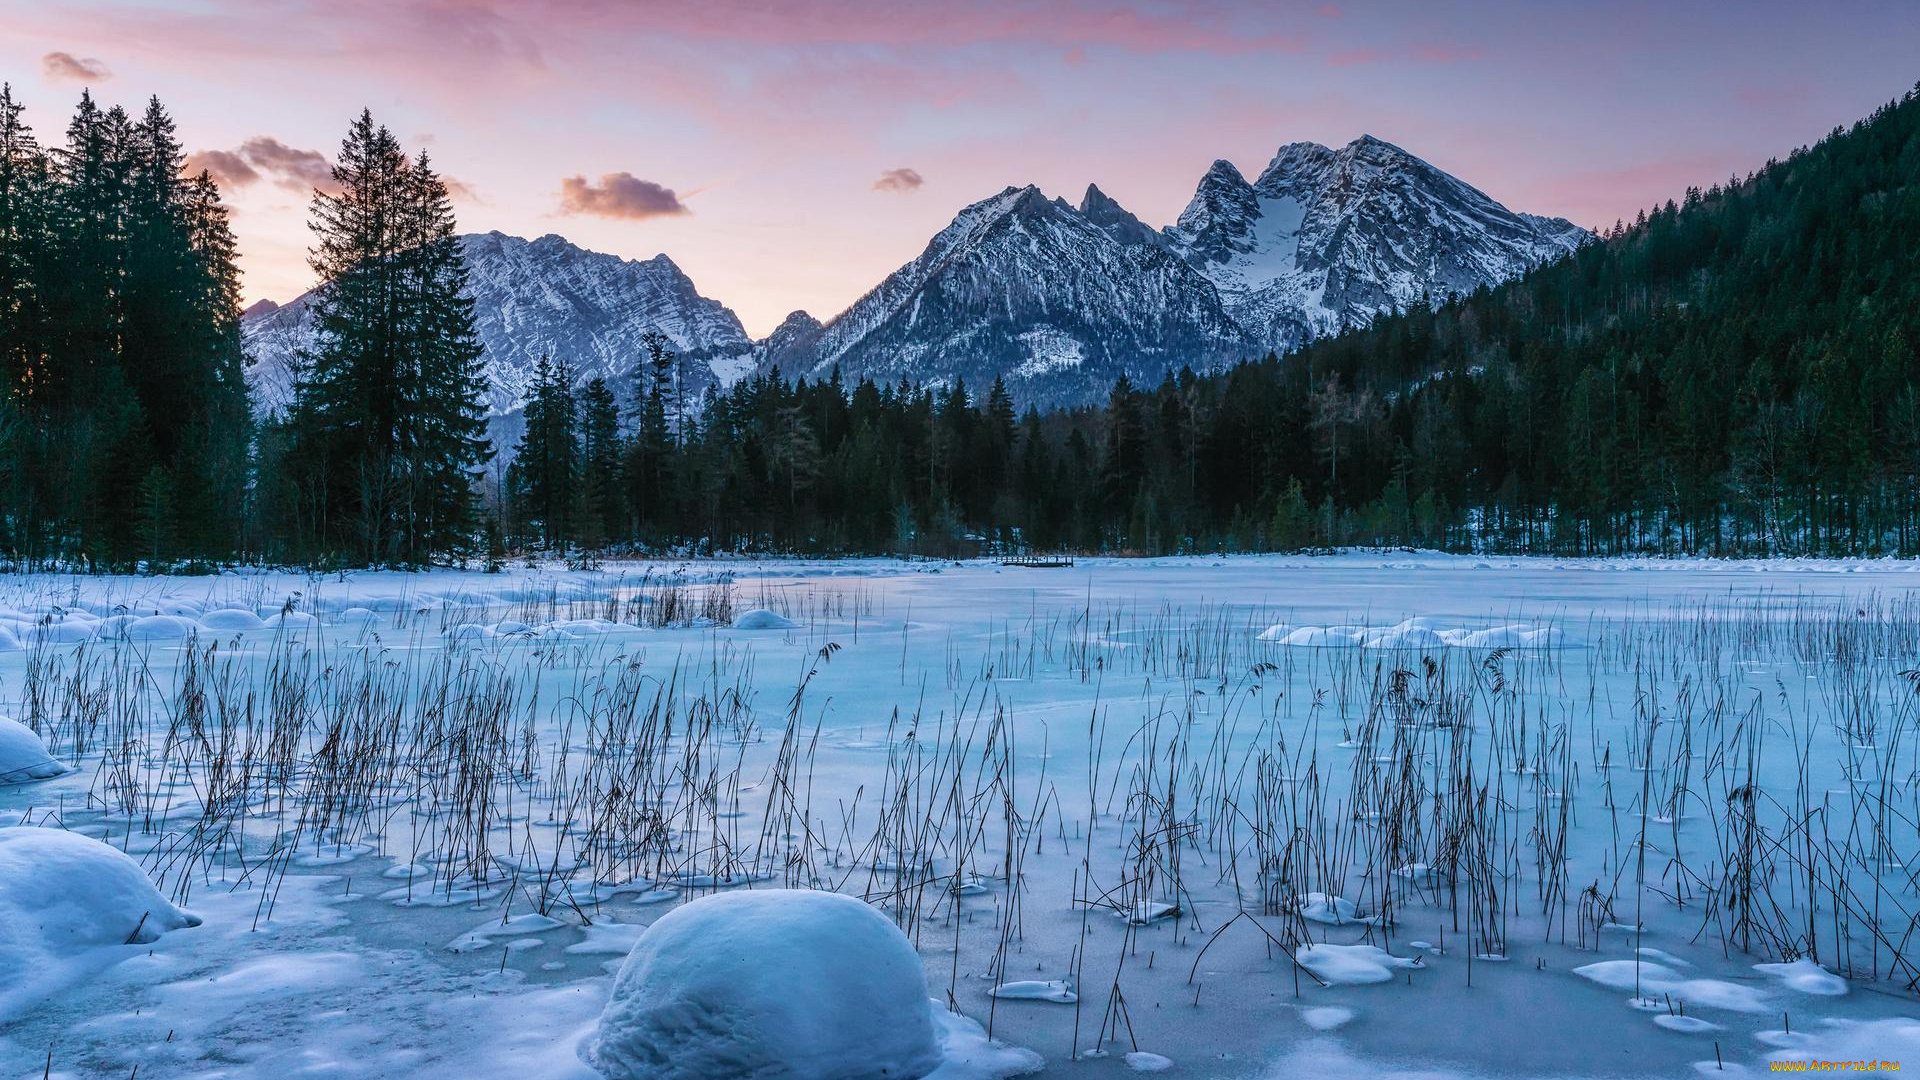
(1059, 300)
(1327, 239)
(791, 345)
(1113, 219)
(546, 297)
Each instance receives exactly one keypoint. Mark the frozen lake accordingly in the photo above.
(1361, 814)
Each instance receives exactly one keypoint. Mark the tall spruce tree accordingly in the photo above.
(601, 514)
(545, 473)
(386, 432)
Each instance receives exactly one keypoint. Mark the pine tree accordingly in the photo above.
(601, 515)
(387, 426)
(545, 472)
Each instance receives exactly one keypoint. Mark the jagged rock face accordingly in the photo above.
(1113, 219)
(792, 345)
(1325, 239)
(1060, 299)
(1056, 300)
(546, 297)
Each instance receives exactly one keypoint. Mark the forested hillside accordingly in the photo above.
(1733, 372)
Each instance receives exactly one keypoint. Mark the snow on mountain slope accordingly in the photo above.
(1059, 300)
(1325, 239)
(546, 297)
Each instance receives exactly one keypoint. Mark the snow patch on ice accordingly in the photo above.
(23, 756)
(1805, 976)
(1353, 965)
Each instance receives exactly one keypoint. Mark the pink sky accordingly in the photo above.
(790, 154)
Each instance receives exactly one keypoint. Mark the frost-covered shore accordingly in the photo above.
(1362, 813)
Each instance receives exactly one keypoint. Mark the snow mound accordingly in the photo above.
(1057, 990)
(60, 892)
(1422, 633)
(1658, 981)
(774, 983)
(1353, 965)
(762, 619)
(9, 642)
(160, 628)
(1805, 976)
(289, 620)
(1405, 637)
(1333, 911)
(23, 756)
(1320, 637)
(231, 619)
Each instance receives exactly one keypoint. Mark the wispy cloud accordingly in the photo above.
(290, 167)
(900, 180)
(619, 195)
(264, 157)
(227, 168)
(66, 67)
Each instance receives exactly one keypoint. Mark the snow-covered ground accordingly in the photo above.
(1243, 817)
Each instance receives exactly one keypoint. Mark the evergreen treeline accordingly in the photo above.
(1732, 373)
(124, 427)
(126, 436)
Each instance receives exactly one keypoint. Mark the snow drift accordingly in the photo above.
(23, 756)
(61, 892)
(768, 984)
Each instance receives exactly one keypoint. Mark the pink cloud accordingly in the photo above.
(899, 180)
(264, 157)
(227, 168)
(294, 169)
(462, 190)
(66, 67)
(1355, 58)
(620, 195)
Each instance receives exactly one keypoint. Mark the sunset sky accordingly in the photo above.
(789, 155)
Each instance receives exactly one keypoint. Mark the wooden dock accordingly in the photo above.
(1038, 562)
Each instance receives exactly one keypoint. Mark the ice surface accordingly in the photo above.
(327, 886)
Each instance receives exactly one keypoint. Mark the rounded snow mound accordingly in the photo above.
(23, 756)
(762, 619)
(771, 983)
(61, 891)
(160, 628)
(1405, 636)
(231, 619)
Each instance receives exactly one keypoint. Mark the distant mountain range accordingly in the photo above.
(545, 297)
(1058, 299)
